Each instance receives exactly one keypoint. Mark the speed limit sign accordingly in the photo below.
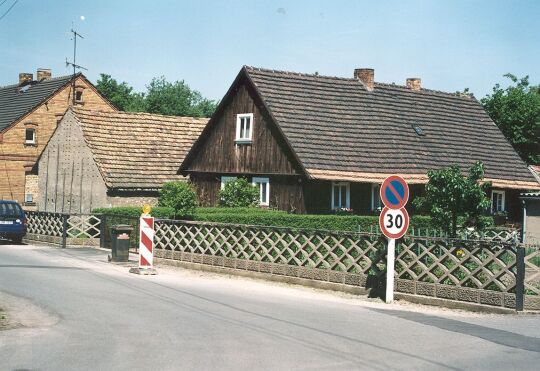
(394, 222)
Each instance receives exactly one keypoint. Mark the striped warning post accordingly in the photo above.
(146, 242)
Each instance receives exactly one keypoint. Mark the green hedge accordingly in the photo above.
(257, 216)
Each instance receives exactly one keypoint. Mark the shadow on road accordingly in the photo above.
(40, 266)
(501, 337)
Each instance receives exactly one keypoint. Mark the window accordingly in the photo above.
(29, 198)
(78, 96)
(418, 130)
(341, 197)
(264, 190)
(244, 127)
(376, 203)
(225, 179)
(30, 136)
(497, 201)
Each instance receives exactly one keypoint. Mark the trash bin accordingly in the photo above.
(120, 242)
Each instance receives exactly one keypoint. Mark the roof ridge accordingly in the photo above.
(299, 73)
(125, 113)
(349, 79)
(46, 80)
(404, 87)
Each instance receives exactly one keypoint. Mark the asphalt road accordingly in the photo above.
(87, 314)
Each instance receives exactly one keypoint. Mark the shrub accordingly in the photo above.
(179, 196)
(239, 193)
(135, 212)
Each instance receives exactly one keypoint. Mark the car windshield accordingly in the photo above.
(10, 209)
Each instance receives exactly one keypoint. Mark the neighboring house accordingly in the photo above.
(316, 143)
(103, 159)
(29, 113)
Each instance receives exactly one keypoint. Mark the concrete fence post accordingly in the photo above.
(520, 277)
(65, 218)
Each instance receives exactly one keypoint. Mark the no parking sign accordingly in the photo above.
(394, 222)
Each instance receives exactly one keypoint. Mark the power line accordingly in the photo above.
(7, 11)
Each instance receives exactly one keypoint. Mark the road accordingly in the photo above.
(87, 314)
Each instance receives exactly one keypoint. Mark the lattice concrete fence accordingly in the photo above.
(63, 229)
(483, 272)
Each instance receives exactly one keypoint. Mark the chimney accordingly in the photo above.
(414, 83)
(367, 76)
(25, 78)
(43, 74)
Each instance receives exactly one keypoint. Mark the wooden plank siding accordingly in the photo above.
(219, 153)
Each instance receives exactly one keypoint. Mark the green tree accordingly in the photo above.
(161, 96)
(516, 111)
(450, 195)
(180, 196)
(176, 99)
(120, 94)
(239, 193)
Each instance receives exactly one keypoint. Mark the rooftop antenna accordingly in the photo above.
(74, 63)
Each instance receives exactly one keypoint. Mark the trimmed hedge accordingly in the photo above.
(257, 216)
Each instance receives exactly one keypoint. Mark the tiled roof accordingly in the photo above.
(138, 150)
(339, 128)
(15, 102)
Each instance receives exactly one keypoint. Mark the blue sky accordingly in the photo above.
(449, 44)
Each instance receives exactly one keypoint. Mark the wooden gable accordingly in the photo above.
(217, 152)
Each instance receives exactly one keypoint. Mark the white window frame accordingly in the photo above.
(503, 201)
(28, 198)
(348, 194)
(239, 118)
(257, 180)
(375, 195)
(225, 179)
(33, 140)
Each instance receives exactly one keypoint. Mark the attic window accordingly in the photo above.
(30, 136)
(24, 88)
(418, 130)
(244, 128)
(78, 96)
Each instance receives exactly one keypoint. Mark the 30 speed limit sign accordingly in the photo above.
(394, 222)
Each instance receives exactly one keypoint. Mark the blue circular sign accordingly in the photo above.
(394, 192)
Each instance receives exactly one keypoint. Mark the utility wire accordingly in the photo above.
(7, 11)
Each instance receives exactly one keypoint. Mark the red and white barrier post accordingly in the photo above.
(146, 244)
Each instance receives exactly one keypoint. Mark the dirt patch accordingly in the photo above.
(16, 312)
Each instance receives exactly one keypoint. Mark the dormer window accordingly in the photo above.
(244, 128)
(30, 136)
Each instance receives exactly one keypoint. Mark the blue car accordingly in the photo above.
(12, 221)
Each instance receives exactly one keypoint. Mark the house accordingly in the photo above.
(531, 218)
(104, 159)
(315, 143)
(29, 113)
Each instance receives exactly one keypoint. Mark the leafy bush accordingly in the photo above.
(179, 196)
(239, 193)
(263, 217)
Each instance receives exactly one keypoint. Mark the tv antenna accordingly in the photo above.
(74, 63)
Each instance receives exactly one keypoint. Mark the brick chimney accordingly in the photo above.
(414, 83)
(25, 78)
(367, 76)
(43, 74)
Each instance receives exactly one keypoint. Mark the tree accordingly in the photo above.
(450, 195)
(120, 94)
(176, 99)
(516, 111)
(239, 193)
(180, 196)
(161, 96)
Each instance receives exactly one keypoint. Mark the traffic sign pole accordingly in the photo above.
(390, 262)
(394, 222)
